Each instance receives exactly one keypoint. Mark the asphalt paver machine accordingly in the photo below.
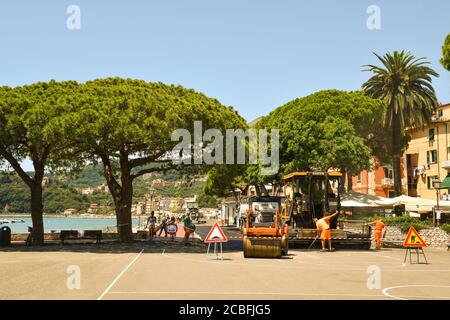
(314, 195)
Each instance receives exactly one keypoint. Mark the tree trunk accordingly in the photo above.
(349, 180)
(258, 190)
(37, 210)
(123, 214)
(342, 186)
(35, 186)
(123, 206)
(37, 207)
(396, 153)
(122, 195)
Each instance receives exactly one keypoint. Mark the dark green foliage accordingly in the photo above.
(445, 60)
(404, 84)
(88, 176)
(446, 228)
(206, 201)
(14, 194)
(223, 179)
(328, 129)
(403, 222)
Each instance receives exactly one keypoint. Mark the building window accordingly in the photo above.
(430, 181)
(431, 134)
(388, 172)
(440, 113)
(431, 156)
(358, 178)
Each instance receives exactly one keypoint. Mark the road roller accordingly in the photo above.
(264, 236)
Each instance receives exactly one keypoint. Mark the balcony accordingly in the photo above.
(387, 182)
(437, 118)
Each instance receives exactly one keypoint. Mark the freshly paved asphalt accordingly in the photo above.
(234, 236)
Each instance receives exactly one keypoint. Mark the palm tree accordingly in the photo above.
(404, 84)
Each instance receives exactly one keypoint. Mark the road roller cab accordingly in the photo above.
(310, 195)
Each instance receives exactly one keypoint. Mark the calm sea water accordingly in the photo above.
(64, 223)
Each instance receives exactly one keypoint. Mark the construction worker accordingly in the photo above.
(379, 226)
(323, 229)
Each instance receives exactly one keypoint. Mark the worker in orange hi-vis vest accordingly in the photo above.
(323, 228)
(379, 226)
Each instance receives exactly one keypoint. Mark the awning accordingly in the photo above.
(356, 199)
(446, 182)
(355, 204)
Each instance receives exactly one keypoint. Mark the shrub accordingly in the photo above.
(417, 225)
(403, 222)
(446, 228)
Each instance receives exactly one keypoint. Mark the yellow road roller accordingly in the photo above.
(264, 236)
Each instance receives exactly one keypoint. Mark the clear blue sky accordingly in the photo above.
(252, 54)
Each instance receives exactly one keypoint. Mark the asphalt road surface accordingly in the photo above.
(143, 271)
(164, 269)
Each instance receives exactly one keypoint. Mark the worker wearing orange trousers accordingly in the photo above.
(323, 229)
(379, 226)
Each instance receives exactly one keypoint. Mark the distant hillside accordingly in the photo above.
(66, 192)
(91, 176)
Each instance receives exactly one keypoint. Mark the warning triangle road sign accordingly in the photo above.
(413, 239)
(216, 235)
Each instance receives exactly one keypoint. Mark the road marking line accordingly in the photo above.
(120, 274)
(248, 293)
(385, 291)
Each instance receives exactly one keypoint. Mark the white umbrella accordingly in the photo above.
(365, 200)
(354, 204)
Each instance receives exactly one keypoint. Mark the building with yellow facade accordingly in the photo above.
(428, 156)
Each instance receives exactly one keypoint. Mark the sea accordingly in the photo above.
(63, 223)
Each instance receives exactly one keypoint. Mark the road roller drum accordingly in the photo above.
(262, 247)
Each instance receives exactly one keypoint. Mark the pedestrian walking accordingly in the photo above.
(379, 226)
(188, 228)
(163, 225)
(151, 225)
(323, 229)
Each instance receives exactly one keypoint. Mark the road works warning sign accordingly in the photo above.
(216, 235)
(413, 239)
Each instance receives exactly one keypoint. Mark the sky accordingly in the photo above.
(254, 55)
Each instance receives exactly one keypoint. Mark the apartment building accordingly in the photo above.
(428, 156)
(379, 181)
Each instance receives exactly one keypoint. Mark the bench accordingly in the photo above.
(80, 235)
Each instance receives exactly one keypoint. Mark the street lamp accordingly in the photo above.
(437, 186)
